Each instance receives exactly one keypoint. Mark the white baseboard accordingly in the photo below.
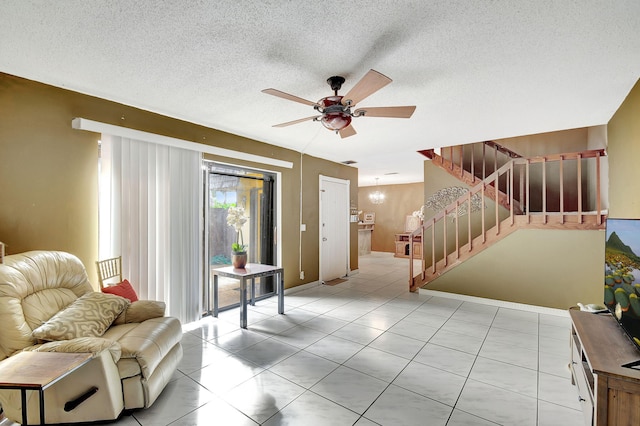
(312, 284)
(301, 287)
(498, 303)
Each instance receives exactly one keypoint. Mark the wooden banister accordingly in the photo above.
(518, 209)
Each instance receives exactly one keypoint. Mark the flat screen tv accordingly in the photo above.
(622, 274)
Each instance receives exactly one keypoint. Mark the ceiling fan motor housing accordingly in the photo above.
(335, 116)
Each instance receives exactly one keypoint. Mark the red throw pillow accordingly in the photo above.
(122, 289)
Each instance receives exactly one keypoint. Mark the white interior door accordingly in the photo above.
(334, 228)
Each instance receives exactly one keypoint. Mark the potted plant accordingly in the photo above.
(236, 218)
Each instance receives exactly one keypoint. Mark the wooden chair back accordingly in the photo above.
(109, 268)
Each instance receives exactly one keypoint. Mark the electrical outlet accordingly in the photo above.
(302, 275)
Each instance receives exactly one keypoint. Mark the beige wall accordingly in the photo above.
(400, 201)
(573, 140)
(624, 157)
(553, 268)
(49, 174)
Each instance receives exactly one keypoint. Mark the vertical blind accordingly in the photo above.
(150, 210)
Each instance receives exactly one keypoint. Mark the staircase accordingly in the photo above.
(464, 167)
(507, 192)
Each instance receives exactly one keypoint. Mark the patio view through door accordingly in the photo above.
(228, 186)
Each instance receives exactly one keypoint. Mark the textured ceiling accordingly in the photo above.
(475, 69)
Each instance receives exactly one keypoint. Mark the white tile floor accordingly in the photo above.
(368, 352)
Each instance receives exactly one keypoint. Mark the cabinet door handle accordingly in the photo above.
(581, 399)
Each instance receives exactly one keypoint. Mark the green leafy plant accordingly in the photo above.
(238, 248)
(218, 205)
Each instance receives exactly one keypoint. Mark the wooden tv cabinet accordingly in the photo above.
(608, 392)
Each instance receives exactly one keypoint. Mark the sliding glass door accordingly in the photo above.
(232, 187)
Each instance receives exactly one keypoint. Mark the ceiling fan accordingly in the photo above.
(336, 111)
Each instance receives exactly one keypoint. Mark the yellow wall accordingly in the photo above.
(624, 158)
(553, 268)
(49, 173)
(400, 201)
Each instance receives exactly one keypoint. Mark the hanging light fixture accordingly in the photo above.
(376, 197)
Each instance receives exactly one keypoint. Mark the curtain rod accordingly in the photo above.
(96, 126)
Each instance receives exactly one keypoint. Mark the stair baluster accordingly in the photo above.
(517, 210)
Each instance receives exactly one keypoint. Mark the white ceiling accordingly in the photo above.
(475, 69)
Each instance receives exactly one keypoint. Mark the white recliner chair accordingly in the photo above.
(45, 299)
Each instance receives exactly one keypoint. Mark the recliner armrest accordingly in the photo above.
(93, 345)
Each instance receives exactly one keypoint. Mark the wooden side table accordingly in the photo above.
(251, 271)
(402, 245)
(37, 371)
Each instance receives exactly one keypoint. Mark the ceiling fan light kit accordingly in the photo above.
(335, 111)
(334, 115)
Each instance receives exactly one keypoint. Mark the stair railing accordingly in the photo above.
(545, 199)
(491, 157)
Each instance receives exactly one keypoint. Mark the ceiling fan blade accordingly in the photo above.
(289, 123)
(287, 96)
(368, 85)
(392, 112)
(347, 131)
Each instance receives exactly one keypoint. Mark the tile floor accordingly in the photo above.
(368, 352)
